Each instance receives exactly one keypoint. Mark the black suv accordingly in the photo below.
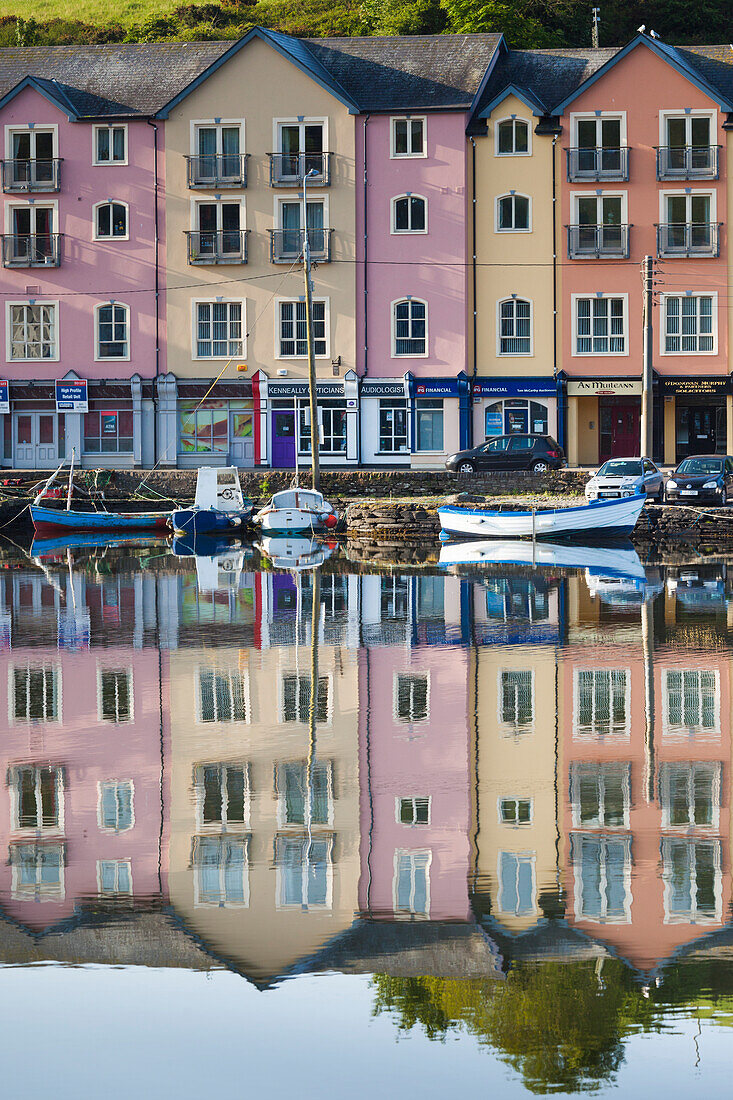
(538, 453)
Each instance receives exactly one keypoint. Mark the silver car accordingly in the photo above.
(624, 477)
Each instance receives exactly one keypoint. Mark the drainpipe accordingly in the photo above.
(366, 277)
(473, 290)
(558, 384)
(157, 292)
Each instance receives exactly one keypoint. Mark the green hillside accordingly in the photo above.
(98, 12)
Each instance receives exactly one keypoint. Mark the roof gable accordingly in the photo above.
(535, 105)
(49, 89)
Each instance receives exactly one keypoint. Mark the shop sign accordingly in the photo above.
(696, 387)
(383, 389)
(438, 387)
(604, 387)
(4, 396)
(300, 389)
(109, 423)
(72, 396)
(514, 387)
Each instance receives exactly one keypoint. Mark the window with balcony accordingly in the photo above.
(413, 811)
(293, 332)
(37, 872)
(512, 138)
(300, 150)
(32, 241)
(409, 328)
(688, 227)
(288, 240)
(515, 327)
(600, 326)
(600, 795)
(110, 145)
(691, 698)
(688, 151)
(219, 330)
(409, 214)
(222, 695)
(601, 703)
(113, 331)
(516, 700)
(36, 694)
(110, 221)
(690, 795)
(218, 159)
(115, 693)
(411, 883)
(412, 697)
(599, 149)
(33, 164)
(599, 228)
(37, 796)
(512, 213)
(33, 331)
(222, 795)
(689, 324)
(221, 871)
(115, 809)
(305, 796)
(218, 236)
(517, 887)
(692, 876)
(408, 137)
(602, 874)
(114, 877)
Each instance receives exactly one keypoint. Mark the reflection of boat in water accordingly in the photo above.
(697, 591)
(80, 540)
(219, 561)
(294, 553)
(599, 519)
(615, 560)
(622, 591)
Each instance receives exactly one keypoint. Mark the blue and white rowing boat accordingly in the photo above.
(600, 519)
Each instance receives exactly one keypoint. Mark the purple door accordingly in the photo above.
(283, 437)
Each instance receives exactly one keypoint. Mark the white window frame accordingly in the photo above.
(313, 197)
(196, 124)
(31, 666)
(687, 113)
(32, 129)
(110, 163)
(394, 231)
(114, 784)
(413, 675)
(110, 202)
(393, 324)
(599, 194)
(112, 358)
(512, 195)
(221, 838)
(689, 733)
(514, 823)
(412, 853)
(408, 118)
(602, 839)
(54, 303)
(282, 821)
(413, 799)
(219, 200)
(688, 193)
(711, 767)
(597, 117)
(526, 857)
(574, 299)
(223, 826)
(116, 893)
(41, 892)
(101, 669)
(582, 735)
(514, 354)
(663, 325)
(45, 830)
(302, 676)
(514, 729)
(195, 303)
(515, 119)
(222, 670)
(327, 322)
(692, 842)
(301, 120)
(16, 203)
(597, 770)
(304, 905)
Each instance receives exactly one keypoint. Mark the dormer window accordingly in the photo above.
(512, 138)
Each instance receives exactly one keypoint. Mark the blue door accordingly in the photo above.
(283, 437)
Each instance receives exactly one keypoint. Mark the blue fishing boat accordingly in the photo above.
(219, 507)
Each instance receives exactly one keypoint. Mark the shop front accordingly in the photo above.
(696, 416)
(283, 408)
(604, 419)
(440, 411)
(385, 421)
(215, 426)
(514, 406)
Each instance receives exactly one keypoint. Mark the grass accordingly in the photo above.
(99, 12)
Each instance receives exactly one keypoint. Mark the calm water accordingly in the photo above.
(342, 832)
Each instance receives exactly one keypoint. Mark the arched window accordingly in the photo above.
(409, 327)
(512, 138)
(409, 214)
(113, 331)
(110, 220)
(512, 213)
(515, 327)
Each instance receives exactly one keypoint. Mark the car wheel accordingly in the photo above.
(724, 496)
(540, 467)
(466, 468)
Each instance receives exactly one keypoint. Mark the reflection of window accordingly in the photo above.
(430, 598)
(515, 599)
(600, 795)
(516, 699)
(413, 811)
(601, 702)
(38, 872)
(292, 783)
(36, 694)
(690, 794)
(515, 811)
(692, 880)
(602, 867)
(411, 884)
(114, 877)
(218, 333)
(296, 698)
(429, 424)
(393, 597)
(115, 695)
(516, 883)
(221, 870)
(115, 811)
(304, 871)
(691, 702)
(412, 697)
(222, 794)
(37, 796)
(222, 695)
(512, 137)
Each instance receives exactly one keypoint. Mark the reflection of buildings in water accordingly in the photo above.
(515, 607)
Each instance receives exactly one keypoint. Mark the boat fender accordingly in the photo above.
(329, 520)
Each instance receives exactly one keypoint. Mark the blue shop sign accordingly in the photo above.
(435, 387)
(514, 387)
(4, 397)
(72, 396)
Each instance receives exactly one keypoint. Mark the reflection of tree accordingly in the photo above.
(559, 1025)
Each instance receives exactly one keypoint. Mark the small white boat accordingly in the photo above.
(599, 519)
(296, 511)
(621, 562)
(219, 506)
(295, 554)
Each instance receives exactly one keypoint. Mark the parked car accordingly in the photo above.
(538, 453)
(624, 477)
(701, 477)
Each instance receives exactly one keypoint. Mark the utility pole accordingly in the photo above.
(594, 31)
(315, 458)
(647, 416)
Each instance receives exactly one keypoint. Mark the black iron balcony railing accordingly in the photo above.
(218, 170)
(687, 162)
(598, 164)
(286, 245)
(688, 239)
(593, 242)
(21, 176)
(288, 169)
(224, 246)
(31, 249)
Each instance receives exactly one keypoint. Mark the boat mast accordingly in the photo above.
(315, 460)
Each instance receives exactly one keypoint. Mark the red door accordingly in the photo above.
(620, 428)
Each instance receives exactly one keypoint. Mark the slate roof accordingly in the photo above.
(548, 75)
